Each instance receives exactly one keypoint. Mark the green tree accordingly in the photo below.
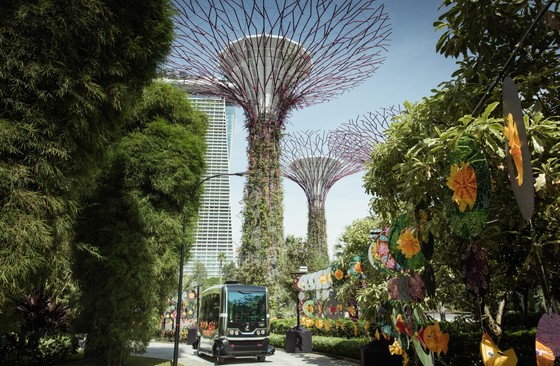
(133, 224)
(416, 155)
(199, 275)
(221, 258)
(70, 73)
(355, 241)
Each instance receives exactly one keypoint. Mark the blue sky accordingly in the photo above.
(412, 68)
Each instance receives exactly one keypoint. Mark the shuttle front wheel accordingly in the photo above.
(261, 358)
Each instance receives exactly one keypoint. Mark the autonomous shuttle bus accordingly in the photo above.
(233, 321)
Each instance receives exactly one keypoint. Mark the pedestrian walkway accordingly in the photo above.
(187, 357)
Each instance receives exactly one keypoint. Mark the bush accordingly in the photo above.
(464, 343)
(333, 346)
(342, 328)
(56, 348)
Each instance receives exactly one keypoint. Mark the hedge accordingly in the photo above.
(464, 344)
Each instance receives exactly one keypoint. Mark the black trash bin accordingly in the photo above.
(191, 335)
(377, 353)
(298, 340)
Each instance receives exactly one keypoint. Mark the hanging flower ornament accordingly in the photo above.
(404, 244)
(462, 181)
(408, 244)
(518, 156)
(338, 274)
(434, 339)
(469, 184)
(510, 130)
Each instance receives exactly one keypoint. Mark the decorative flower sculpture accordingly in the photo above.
(547, 339)
(510, 130)
(408, 244)
(308, 308)
(476, 272)
(396, 348)
(462, 181)
(338, 274)
(434, 339)
(469, 188)
(522, 183)
(404, 245)
(493, 356)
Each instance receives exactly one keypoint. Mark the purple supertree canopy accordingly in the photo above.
(310, 161)
(272, 56)
(356, 138)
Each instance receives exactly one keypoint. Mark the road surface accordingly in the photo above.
(280, 358)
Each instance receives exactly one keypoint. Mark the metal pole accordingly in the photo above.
(182, 264)
(179, 308)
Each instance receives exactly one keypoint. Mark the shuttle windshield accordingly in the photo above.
(246, 306)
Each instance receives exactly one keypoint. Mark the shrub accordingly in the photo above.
(333, 346)
(342, 328)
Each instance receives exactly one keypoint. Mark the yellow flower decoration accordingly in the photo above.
(329, 277)
(338, 274)
(366, 326)
(405, 359)
(327, 325)
(310, 323)
(514, 146)
(323, 279)
(463, 183)
(340, 308)
(408, 243)
(396, 348)
(435, 340)
(377, 335)
(355, 330)
(351, 310)
(310, 308)
(319, 324)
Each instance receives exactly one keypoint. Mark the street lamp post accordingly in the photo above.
(302, 271)
(181, 265)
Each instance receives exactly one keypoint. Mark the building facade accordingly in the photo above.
(213, 232)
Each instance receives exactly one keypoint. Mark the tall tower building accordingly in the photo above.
(213, 233)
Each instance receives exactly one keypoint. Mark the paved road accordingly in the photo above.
(280, 358)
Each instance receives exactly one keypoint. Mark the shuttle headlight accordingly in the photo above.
(233, 332)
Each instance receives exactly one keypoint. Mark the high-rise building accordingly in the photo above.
(213, 233)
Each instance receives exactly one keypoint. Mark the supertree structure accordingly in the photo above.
(357, 137)
(315, 165)
(270, 57)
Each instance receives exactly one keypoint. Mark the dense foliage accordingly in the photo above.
(70, 73)
(412, 167)
(132, 224)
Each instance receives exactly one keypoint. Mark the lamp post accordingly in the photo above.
(302, 270)
(181, 265)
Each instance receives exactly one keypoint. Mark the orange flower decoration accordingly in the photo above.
(338, 274)
(358, 267)
(408, 244)
(434, 339)
(514, 146)
(463, 183)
